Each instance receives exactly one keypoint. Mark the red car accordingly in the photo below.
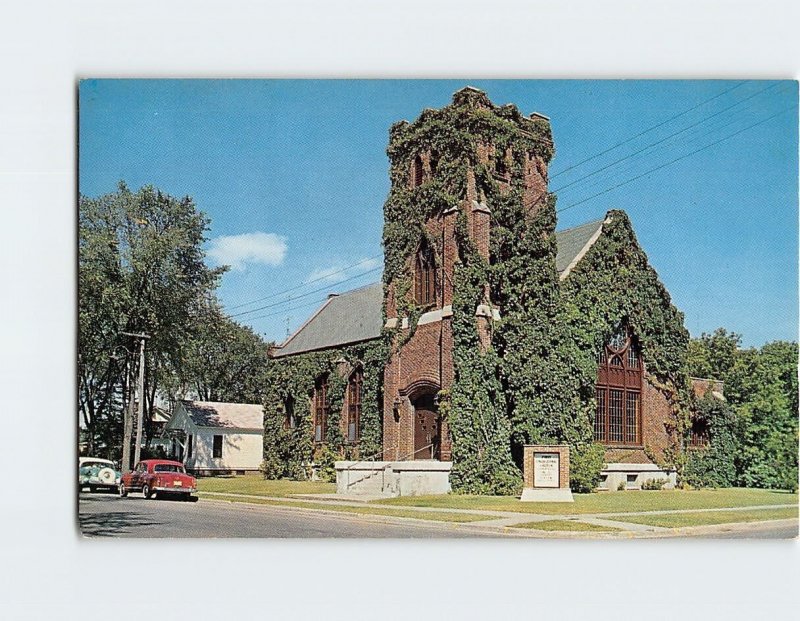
(158, 476)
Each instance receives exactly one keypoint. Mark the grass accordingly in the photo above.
(679, 520)
(438, 516)
(608, 502)
(566, 525)
(257, 486)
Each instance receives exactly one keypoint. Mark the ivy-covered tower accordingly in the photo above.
(449, 170)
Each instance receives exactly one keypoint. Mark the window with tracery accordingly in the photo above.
(355, 386)
(425, 277)
(618, 418)
(321, 407)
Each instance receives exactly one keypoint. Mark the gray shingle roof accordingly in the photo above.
(225, 415)
(570, 242)
(356, 315)
(348, 317)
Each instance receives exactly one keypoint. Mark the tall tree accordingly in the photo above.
(224, 361)
(140, 269)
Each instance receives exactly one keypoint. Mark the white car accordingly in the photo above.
(97, 473)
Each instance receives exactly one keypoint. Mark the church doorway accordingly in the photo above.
(427, 428)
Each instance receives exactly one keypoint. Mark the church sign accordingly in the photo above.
(546, 474)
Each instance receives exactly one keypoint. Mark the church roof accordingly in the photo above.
(573, 243)
(356, 316)
(349, 317)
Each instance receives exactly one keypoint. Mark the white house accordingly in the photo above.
(217, 438)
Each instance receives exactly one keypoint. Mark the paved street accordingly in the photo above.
(105, 515)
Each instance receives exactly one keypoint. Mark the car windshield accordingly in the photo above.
(168, 468)
(95, 464)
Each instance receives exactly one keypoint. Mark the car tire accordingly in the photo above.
(146, 491)
(122, 491)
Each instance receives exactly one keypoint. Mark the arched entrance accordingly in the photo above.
(427, 428)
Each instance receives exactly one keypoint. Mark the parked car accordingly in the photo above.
(159, 477)
(96, 473)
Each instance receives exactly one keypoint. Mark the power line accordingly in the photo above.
(308, 282)
(302, 295)
(648, 130)
(715, 126)
(677, 159)
(286, 310)
(695, 124)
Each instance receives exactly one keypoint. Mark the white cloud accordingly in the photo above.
(240, 250)
(339, 271)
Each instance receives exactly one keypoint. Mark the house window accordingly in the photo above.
(355, 386)
(416, 172)
(425, 277)
(321, 407)
(618, 418)
(699, 434)
(189, 446)
(217, 447)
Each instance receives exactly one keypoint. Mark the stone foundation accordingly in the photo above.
(393, 478)
(634, 476)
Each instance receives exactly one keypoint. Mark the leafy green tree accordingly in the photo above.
(713, 355)
(140, 269)
(762, 386)
(223, 361)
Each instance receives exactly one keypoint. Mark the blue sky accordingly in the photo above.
(293, 175)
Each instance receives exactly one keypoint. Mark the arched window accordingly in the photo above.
(618, 419)
(425, 276)
(289, 419)
(355, 388)
(416, 172)
(321, 407)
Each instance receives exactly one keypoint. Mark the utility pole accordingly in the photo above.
(140, 413)
(128, 422)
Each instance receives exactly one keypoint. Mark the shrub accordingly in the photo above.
(622, 486)
(586, 462)
(654, 484)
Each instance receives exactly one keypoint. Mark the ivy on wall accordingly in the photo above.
(713, 465)
(290, 452)
(613, 283)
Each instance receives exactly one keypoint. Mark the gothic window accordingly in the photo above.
(321, 408)
(416, 172)
(355, 387)
(618, 419)
(425, 277)
(289, 420)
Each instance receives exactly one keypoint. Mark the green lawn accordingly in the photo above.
(438, 516)
(678, 520)
(257, 486)
(608, 502)
(566, 525)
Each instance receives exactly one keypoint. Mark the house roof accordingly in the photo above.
(225, 415)
(348, 317)
(356, 316)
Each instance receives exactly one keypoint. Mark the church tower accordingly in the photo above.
(444, 165)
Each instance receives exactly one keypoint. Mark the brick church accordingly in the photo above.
(630, 408)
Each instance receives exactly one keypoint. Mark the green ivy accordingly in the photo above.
(291, 453)
(715, 464)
